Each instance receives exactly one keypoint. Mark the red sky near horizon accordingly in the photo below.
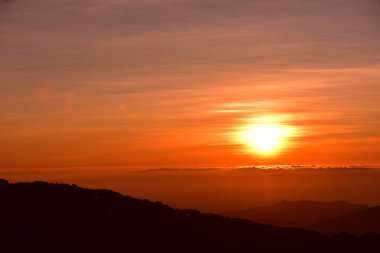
(174, 83)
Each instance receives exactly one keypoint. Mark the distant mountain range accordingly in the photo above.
(360, 222)
(326, 217)
(44, 217)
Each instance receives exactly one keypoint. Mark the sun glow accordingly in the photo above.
(265, 139)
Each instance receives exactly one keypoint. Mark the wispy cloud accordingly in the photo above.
(155, 76)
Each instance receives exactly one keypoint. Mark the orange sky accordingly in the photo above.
(167, 83)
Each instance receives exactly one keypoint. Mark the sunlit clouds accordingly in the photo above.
(266, 136)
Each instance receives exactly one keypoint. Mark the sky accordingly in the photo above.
(174, 83)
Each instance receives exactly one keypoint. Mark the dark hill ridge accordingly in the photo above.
(357, 223)
(301, 213)
(44, 217)
(325, 217)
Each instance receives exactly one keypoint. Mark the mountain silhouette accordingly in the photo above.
(298, 213)
(357, 223)
(45, 217)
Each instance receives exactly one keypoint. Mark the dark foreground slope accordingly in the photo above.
(43, 217)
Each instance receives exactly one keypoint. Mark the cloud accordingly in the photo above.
(172, 62)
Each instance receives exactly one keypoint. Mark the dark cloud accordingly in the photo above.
(4, 2)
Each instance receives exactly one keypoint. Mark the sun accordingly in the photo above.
(264, 139)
